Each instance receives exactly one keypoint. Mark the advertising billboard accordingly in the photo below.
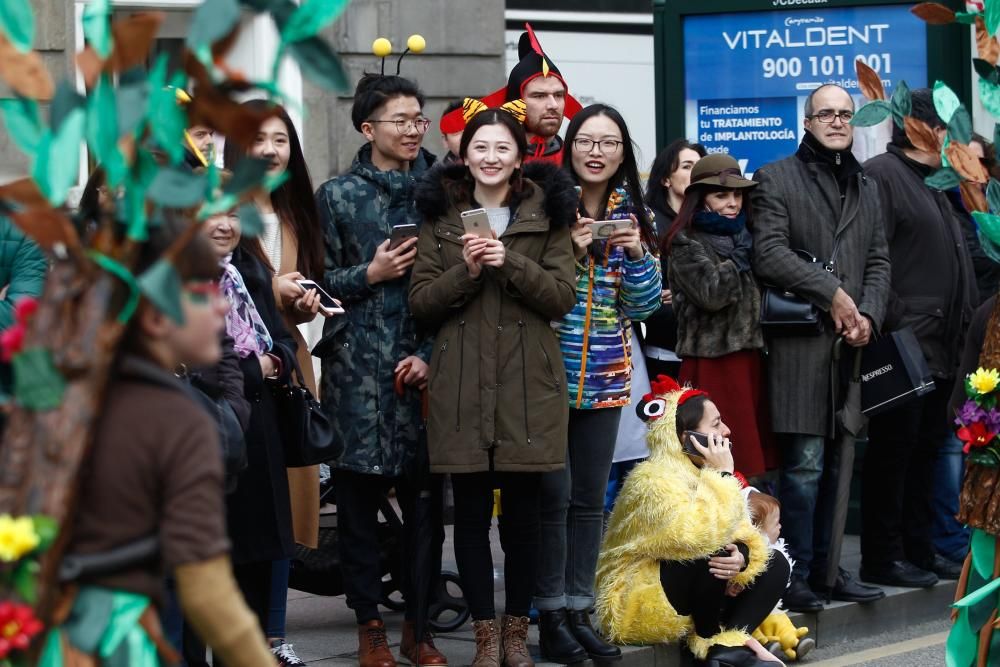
(747, 74)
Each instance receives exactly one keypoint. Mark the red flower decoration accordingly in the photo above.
(25, 308)
(18, 626)
(11, 341)
(975, 435)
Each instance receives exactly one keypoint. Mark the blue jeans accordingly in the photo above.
(573, 512)
(279, 599)
(807, 487)
(951, 538)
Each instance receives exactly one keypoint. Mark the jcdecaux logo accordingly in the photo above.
(797, 3)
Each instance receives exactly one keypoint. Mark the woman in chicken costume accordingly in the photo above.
(680, 556)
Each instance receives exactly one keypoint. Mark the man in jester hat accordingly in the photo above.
(536, 80)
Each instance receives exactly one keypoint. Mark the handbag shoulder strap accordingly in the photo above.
(830, 266)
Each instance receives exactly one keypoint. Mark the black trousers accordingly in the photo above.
(897, 503)
(358, 498)
(693, 591)
(519, 537)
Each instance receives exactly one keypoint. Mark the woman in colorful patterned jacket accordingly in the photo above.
(617, 282)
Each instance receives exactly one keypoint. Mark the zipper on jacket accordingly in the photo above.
(461, 363)
(552, 372)
(437, 366)
(524, 381)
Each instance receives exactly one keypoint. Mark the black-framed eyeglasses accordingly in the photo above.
(606, 146)
(404, 125)
(827, 116)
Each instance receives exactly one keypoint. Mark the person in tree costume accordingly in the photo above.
(130, 295)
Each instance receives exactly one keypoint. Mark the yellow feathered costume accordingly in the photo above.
(668, 510)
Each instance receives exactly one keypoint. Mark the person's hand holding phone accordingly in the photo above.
(629, 239)
(582, 235)
(473, 252)
(391, 264)
(718, 454)
(289, 290)
(308, 302)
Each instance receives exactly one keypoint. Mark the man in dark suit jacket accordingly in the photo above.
(933, 291)
(817, 200)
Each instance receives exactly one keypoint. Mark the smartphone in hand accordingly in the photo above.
(400, 234)
(327, 303)
(604, 229)
(477, 223)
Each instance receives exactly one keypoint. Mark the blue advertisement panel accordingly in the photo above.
(747, 74)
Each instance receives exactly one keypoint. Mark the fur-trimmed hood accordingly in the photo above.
(551, 190)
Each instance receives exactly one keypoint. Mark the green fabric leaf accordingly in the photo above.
(221, 204)
(64, 156)
(25, 579)
(320, 64)
(993, 195)
(249, 173)
(102, 119)
(251, 224)
(133, 210)
(18, 22)
(176, 188)
(38, 385)
(167, 120)
(161, 284)
(901, 103)
(979, 594)
(65, 101)
(24, 123)
(945, 178)
(968, 18)
(212, 180)
(132, 100)
(960, 649)
(97, 27)
(989, 225)
(213, 20)
(986, 70)
(310, 18)
(257, 5)
(47, 529)
(992, 16)
(989, 95)
(872, 113)
(945, 101)
(274, 181)
(960, 127)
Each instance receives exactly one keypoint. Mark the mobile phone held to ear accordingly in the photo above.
(603, 229)
(477, 223)
(689, 449)
(327, 303)
(400, 233)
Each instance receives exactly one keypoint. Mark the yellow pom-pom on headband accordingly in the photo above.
(382, 48)
(456, 120)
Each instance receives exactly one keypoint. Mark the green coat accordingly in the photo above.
(360, 349)
(497, 382)
(22, 269)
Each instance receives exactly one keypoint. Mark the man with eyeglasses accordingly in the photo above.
(933, 292)
(364, 351)
(815, 201)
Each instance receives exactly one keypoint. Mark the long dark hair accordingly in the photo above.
(689, 414)
(293, 201)
(462, 190)
(626, 176)
(664, 165)
(694, 201)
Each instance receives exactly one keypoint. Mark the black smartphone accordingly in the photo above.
(401, 233)
(327, 303)
(689, 449)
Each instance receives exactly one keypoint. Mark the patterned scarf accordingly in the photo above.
(243, 322)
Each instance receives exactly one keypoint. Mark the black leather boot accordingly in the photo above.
(734, 656)
(592, 643)
(556, 640)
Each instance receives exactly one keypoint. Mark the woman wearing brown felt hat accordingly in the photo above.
(717, 301)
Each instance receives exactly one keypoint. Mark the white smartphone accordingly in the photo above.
(477, 223)
(603, 229)
(327, 303)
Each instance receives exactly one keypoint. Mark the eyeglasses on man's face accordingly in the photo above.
(404, 125)
(606, 146)
(827, 115)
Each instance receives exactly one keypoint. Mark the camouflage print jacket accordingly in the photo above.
(359, 350)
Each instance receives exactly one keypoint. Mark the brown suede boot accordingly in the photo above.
(422, 654)
(373, 646)
(515, 642)
(487, 644)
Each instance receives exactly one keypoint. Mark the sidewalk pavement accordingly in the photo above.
(324, 632)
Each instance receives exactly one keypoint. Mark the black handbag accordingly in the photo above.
(784, 313)
(306, 432)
